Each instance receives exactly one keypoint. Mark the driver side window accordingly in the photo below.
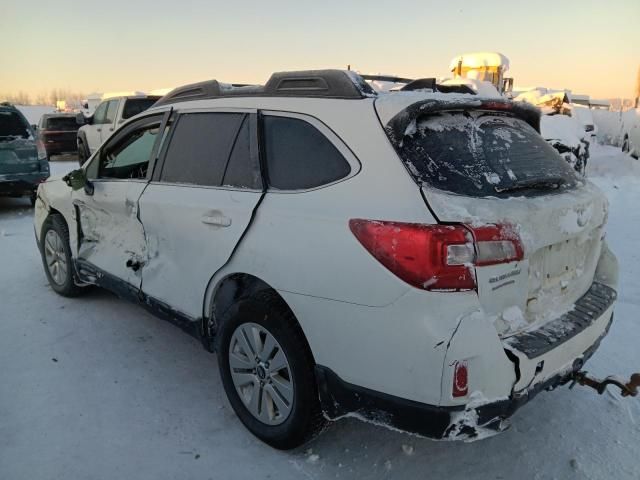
(127, 156)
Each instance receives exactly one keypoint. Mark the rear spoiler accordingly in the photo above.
(397, 126)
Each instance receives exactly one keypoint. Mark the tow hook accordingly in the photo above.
(629, 389)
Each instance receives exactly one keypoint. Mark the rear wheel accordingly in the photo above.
(267, 372)
(56, 256)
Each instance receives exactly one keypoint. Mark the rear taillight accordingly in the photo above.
(437, 257)
(42, 152)
(460, 379)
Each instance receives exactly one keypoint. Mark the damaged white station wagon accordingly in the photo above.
(421, 259)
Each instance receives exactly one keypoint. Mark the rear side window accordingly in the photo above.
(12, 125)
(243, 168)
(299, 156)
(199, 148)
(134, 106)
(482, 154)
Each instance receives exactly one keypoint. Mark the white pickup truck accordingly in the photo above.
(108, 115)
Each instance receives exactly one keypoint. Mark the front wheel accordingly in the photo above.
(56, 256)
(267, 372)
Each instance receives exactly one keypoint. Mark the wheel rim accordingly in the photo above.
(261, 373)
(55, 257)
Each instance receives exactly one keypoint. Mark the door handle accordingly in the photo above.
(98, 129)
(217, 220)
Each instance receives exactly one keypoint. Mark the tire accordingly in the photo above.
(82, 153)
(266, 314)
(55, 239)
(625, 145)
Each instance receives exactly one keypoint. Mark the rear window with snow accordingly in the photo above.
(482, 154)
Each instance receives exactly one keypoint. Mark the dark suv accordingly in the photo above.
(23, 159)
(58, 133)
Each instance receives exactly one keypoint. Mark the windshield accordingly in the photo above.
(12, 125)
(61, 123)
(482, 154)
(134, 106)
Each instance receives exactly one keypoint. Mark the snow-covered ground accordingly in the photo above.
(97, 388)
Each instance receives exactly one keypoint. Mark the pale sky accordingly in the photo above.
(590, 47)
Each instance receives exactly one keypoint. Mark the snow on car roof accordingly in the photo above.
(480, 59)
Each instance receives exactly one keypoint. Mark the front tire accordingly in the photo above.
(82, 153)
(267, 372)
(56, 256)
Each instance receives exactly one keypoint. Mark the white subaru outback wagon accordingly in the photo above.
(421, 259)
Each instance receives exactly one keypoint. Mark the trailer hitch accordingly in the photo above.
(629, 389)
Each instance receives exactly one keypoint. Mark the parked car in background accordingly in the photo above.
(567, 128)
(423, 260)
(23, 159)
(631, 132)
(107, 116)
(58, 132)
(567, 136)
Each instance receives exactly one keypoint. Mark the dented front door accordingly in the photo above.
(112, 238)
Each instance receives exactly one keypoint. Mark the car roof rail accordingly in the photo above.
(340, 84)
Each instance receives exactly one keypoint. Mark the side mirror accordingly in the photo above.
(34, 126)
(80, 118)
(77, 179)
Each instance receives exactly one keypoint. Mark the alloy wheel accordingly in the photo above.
(55, 256)
(261, 373)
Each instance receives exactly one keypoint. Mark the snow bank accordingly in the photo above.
(563, 128)
(609, 126)
(611, 164)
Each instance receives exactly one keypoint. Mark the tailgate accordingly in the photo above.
(562, 237)
(18, 156)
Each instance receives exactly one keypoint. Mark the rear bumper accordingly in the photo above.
(467, 422)
(54, 147)
(21, 183)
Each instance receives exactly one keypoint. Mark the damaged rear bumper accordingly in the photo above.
(466, 422)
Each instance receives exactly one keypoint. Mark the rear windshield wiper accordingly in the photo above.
(552, 183)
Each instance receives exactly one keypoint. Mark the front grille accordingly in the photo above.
(586, 310)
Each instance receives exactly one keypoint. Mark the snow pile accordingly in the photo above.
(611, 169)
(609, 126)
(582, 114)
(562, 128)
